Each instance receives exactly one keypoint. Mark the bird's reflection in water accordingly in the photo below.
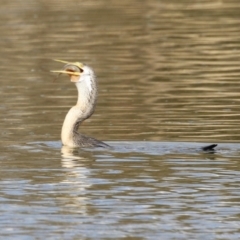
(76, 178)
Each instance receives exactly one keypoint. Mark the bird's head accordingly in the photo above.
(85, 81)
(77, 71)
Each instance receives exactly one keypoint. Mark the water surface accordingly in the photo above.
(168, 76)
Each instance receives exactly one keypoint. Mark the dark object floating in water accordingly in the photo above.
(209, 148)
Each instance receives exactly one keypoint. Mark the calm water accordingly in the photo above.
(169, 83)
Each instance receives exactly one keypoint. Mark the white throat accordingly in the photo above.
(87, 94)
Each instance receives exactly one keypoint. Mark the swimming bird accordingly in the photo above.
(85, 80)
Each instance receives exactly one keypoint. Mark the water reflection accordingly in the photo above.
(76, 177)
(168, 71)
(128, 187)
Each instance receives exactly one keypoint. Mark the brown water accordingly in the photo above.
(168, 76)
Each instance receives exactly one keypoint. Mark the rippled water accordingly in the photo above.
(169, 83)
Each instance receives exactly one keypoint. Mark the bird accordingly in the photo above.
(86, 82)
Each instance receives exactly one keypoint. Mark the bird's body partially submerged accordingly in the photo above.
(86, 83)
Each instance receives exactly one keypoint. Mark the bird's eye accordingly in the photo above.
(80, 70)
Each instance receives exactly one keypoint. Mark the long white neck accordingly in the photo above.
(87, 95)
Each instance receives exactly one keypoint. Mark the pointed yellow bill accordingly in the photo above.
(61, 61)
(66, 72)
(78, 64)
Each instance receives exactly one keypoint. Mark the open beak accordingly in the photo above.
(67, 68)
(66, 72)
